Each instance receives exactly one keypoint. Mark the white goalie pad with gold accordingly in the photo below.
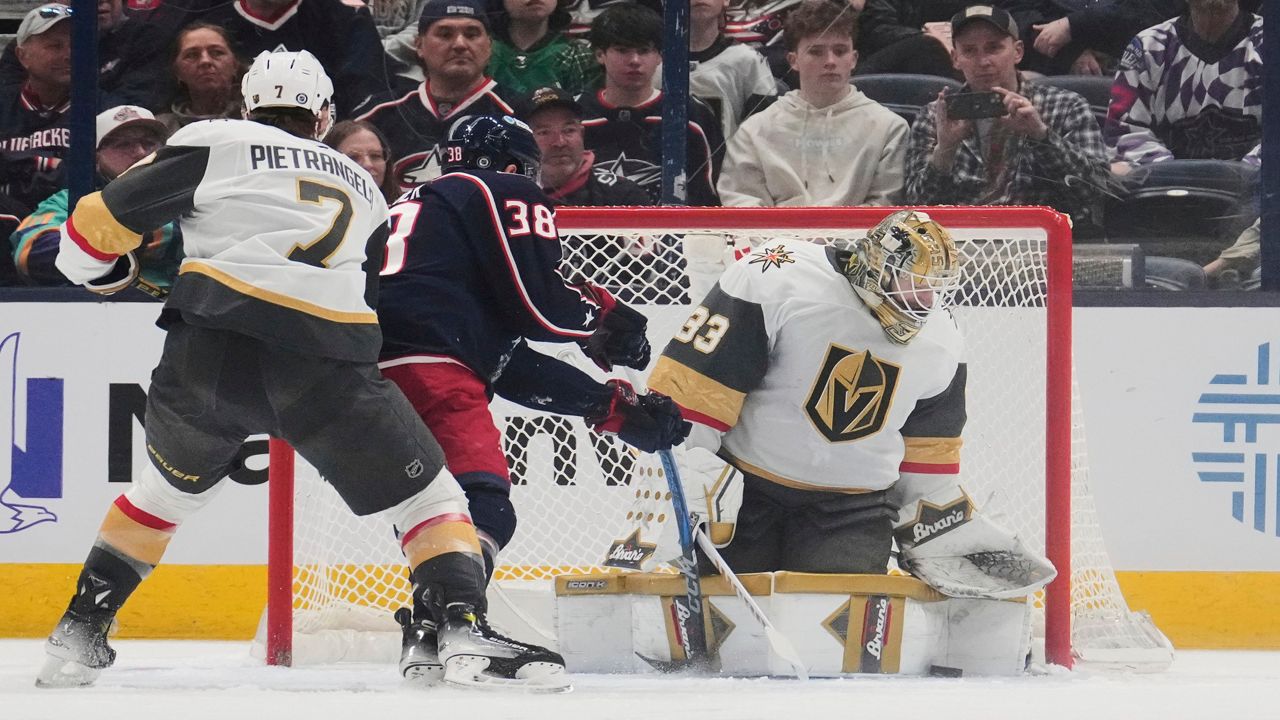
(838, 625)
(945, 541)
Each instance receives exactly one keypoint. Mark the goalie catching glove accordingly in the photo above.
(948, 544)
(619, 338)
(649, 422)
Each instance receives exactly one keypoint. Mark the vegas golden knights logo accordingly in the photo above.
(852, 394)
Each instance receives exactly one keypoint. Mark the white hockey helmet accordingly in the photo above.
(905, 269)
(286, 79)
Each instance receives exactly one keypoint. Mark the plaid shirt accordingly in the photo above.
(1067, 170)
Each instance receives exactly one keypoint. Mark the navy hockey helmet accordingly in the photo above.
(492, 142)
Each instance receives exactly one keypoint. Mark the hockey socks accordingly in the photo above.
(107, 580)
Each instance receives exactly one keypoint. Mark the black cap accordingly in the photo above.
(994, 16)
(547, 97)
(442, 9)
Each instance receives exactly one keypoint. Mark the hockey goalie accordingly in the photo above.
(826, 388)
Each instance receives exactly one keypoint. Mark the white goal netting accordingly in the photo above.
(572, 487)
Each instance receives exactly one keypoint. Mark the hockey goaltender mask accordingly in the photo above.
(832, 383)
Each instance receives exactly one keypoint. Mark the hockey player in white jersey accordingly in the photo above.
(271, 329)
(832, 382)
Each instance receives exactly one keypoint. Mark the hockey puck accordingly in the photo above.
(945, 672)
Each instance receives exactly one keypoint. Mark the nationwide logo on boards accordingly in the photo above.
(30, 442)
(1240, 452)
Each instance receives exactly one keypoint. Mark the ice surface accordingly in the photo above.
(177, 680)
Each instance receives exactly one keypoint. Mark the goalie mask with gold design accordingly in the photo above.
(905, 269)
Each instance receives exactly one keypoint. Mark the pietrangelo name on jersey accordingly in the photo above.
(280, 157)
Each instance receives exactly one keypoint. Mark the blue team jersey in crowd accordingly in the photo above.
(473, 265)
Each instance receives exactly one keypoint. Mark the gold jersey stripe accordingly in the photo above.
(293, 303)
(695, 391)
(441, 538)
(932, 450)
(133, 538)
(94, 223)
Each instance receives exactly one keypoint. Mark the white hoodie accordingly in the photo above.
(849, 153)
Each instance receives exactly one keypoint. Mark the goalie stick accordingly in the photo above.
(779, 642)
(693, 584)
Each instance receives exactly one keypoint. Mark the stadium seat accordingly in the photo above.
(1096, 90)
(902, 93)
(1167, 273)
(1189, 209)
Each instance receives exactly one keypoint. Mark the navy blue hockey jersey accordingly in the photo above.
(473, 265)
(627, 142)
(416, 127)
(341, 36)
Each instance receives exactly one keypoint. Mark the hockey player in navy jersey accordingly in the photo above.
(473, 270)
(271, 329)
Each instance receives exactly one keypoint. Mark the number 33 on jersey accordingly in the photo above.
(797, 382)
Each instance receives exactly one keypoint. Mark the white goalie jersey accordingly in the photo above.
(788, 376)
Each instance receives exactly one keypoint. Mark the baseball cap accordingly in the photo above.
(441, 9)
(548, 97)
(40, 19)
(992, 15)
(112, 119)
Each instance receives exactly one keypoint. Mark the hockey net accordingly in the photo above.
(1024, 456)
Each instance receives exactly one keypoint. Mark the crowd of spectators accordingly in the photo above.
(775, 118)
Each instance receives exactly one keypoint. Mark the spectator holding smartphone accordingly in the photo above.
(1038, 145)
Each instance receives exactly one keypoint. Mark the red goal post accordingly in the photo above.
(1018, 263)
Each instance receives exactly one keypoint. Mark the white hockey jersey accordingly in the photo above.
(802, 386)
(276, 231)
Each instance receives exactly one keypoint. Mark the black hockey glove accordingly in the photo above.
(619, 339)
(649, 422)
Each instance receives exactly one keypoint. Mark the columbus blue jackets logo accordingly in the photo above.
(418, 169)
(641, 172)
(30, 443)
(851, 395)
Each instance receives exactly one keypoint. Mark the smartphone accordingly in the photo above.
(975, 105)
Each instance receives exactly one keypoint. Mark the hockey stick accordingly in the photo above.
(779, 642)
(689, 616)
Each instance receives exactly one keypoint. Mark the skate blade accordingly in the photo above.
(423, 674)
(470, 671)
(60, 673)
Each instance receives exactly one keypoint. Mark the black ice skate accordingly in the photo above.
(77, 650)
(419, 656)
(474, 654)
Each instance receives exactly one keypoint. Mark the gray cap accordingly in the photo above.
(42, 19)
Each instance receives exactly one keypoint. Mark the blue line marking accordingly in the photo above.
(1229, 380)
(1217, 457)
(1260, 492)
(1264, 363)
(1237, 506)
(1221, 477)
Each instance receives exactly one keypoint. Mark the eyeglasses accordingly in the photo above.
(53, 11)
